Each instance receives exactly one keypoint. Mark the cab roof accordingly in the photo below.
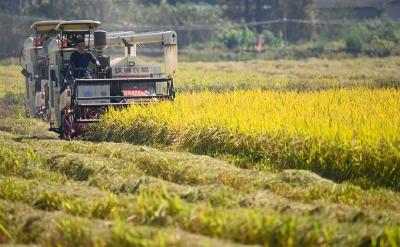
(77, 25)
(45, 26)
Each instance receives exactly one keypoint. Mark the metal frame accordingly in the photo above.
(78, 25)
(78, 105)
(45, 26)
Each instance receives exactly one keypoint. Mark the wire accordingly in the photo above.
(26, 17)
(199, 27)
(234, 25)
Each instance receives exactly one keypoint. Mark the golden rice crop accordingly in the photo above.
(341, 134)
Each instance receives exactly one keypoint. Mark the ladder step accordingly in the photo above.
(88, 120)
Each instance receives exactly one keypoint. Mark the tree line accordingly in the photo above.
(196, 22)
(17, 15)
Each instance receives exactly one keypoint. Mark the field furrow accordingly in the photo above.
(109, 184)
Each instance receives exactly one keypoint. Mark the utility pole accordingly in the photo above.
(259, 16)
(284, 25)
(247, 11)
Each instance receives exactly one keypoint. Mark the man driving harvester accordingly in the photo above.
(79, 61)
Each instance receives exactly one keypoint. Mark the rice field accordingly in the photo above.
(313, 162)
(344, 135)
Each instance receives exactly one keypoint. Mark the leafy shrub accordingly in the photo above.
(374, 38)
(397, 34)
(272, 40)
(249, 37)
(381, 47)
(233, 38)
(354, 44)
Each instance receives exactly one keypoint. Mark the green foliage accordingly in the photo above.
(234, 38)
(201, 22)
(381, 47)
(354, 44)
(374, 38)
(299, 9)
(167, 14)
(90, 9)
(397, 33)
(187, 15)
(247, 38)
(271, 39)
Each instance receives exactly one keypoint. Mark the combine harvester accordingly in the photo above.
(69, 104)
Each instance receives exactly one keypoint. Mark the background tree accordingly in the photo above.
(298, 10)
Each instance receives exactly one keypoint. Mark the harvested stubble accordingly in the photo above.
(20, 223)
(344, 135)
(301, 75)
(76, 205)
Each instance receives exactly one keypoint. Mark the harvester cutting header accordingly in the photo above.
(63, 88)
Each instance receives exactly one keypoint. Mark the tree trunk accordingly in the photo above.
(247, 14)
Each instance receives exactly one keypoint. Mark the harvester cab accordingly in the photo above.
(72, 101)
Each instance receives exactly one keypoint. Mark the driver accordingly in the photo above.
(47, 38)
(80, 59)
